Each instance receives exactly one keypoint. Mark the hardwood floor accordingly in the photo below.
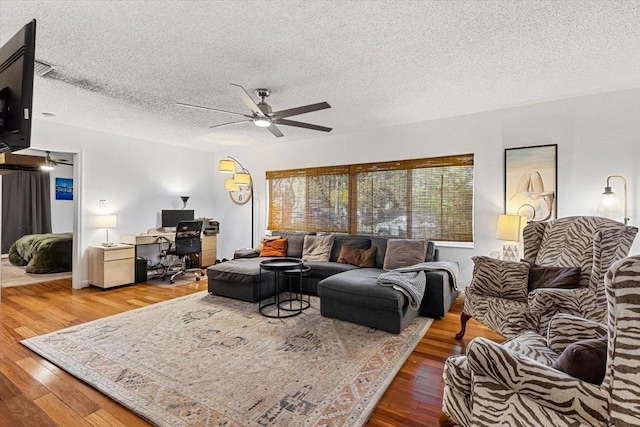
(34, 392)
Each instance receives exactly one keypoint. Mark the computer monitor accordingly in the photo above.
(171, 217)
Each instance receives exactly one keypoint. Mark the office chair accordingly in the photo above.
(187, 242)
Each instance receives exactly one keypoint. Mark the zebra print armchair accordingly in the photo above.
(498, 296)
(514, 384)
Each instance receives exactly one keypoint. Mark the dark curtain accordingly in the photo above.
(26, 205)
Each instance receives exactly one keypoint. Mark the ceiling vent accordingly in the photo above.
(42, 68)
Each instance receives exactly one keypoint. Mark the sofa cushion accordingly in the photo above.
(326, 269)
(357, 257)
(274, 248)
(360, 287)
(317, 248)
(243, 270)
(404, 253)
(353, 241)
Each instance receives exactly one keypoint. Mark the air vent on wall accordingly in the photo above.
(42, 68)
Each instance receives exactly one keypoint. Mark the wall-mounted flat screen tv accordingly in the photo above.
(17, 57)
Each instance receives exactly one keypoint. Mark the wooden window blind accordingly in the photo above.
(428, 198)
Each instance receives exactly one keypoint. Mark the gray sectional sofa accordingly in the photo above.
(346, 292)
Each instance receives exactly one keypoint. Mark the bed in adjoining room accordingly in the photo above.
(43, 253)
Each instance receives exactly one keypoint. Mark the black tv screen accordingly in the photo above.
(17, 57)
(171, 217)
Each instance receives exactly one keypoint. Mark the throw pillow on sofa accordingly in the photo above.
(317, 248)
(404, 253)
(275, 248)
(356, 256)
(259, 246)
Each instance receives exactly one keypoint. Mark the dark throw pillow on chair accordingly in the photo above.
(585, 360)
(553, 277)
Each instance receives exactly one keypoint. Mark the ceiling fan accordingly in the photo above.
(50, 164)
(262, 115)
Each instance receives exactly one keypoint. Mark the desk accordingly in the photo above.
(208, 251)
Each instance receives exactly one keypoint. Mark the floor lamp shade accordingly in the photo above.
(510, 229)
(242, 178)
(227, 166)
(231, 185)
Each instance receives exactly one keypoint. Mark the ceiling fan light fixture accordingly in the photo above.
(47, 167)
(262, 122)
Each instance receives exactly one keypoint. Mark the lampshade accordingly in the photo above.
(227, 166)
(106, 221)
(231, 185)
(510, 227)
(242, 178)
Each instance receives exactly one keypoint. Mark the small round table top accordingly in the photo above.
(281, 263)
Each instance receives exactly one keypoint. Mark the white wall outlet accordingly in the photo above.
(102, 203)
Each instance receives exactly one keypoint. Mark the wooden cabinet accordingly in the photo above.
(209, 250)
(111, 266)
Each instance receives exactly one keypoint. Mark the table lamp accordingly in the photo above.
(107, 222)
(510, 229)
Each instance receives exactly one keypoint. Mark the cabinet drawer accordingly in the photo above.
(209, 243)
(118, 272)
(119, 253)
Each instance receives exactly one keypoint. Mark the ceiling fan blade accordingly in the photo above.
(246, 98)
(275, 131)
(182, 104)
(302, 125)
(231, 123)
(300, 110)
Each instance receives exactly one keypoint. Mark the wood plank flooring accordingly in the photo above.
(34, 392)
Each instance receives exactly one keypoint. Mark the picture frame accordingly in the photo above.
(531, 182)
(64, 188)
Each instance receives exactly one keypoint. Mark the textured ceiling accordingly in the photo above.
(121, 65)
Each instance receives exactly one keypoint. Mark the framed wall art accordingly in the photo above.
(64, 188)
(530, 181)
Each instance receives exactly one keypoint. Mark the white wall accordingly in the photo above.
(597, 135)
(61, 210)
(137, 179)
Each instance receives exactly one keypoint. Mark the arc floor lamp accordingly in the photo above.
(240, 179)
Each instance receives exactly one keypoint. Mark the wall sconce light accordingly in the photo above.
(609, 200)
(239, 179)
(510, 229)
(107, 222)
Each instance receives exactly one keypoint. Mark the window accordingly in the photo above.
(420, 198)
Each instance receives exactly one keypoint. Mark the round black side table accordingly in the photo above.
(299, 273)
(295, 306)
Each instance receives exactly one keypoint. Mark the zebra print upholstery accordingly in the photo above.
(503, 385)
(591, 243)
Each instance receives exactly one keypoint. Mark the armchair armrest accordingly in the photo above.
(545, 386)
(565, 329)
(500, 279)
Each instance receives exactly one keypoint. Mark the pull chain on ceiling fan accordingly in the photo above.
(264, 117)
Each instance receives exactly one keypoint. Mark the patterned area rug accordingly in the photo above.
(203, 360)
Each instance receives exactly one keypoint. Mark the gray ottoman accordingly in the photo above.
(356, 297)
